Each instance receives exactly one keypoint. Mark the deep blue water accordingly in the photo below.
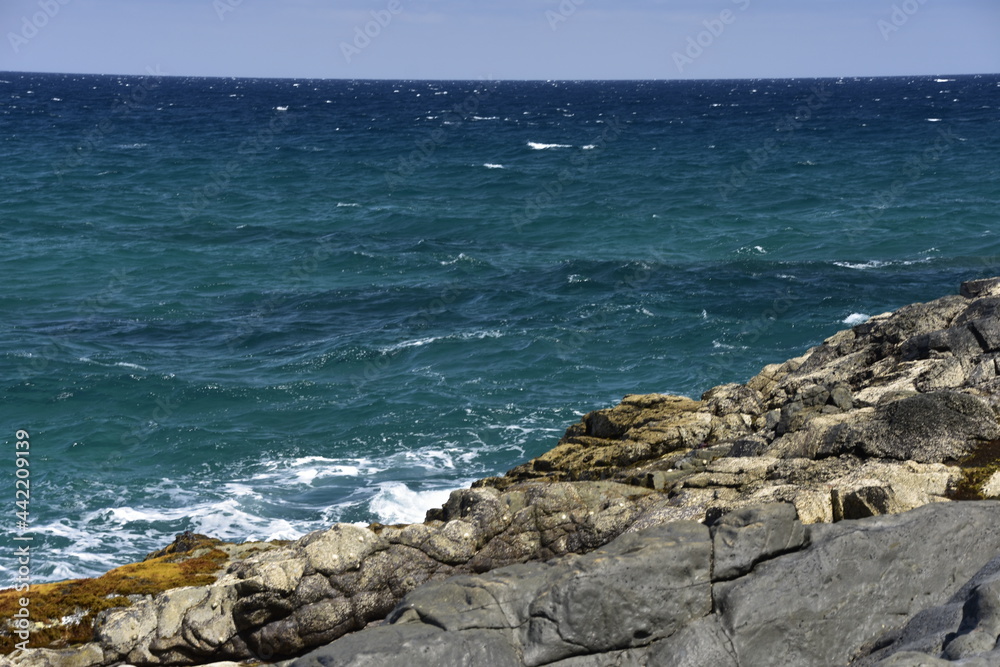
(252, 308)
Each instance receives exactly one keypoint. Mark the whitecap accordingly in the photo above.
(933, 120)
(861, 266)
(589, 147)
(462, 257)
(540, 147)
(305, 470)
(344, 204)
(417, 342)
(420, 342)
(120, 364)
(125, 364)
(490, 165)
(395, 502)
(281, 108)
(479, 335)
(878, 264)
(855, 318)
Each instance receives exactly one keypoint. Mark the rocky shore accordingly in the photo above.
(834, 509)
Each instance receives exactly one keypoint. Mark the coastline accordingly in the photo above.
(894, 414)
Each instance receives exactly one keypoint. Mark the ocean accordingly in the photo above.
(251, 308)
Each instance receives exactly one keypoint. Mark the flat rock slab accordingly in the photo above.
(819, 606)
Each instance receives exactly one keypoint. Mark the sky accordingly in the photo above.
(502, 39)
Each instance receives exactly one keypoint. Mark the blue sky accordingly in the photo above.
(503, 39)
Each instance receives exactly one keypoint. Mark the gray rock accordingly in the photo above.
(89, 655)
(701, 642)
(627, 658)
(415, 645)
(748, 536)
(821, 605)
(987, 332)
(643, 586)
(641, 599)
(965, 626)
(976, 288)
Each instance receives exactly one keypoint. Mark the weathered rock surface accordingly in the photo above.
(895, 414)
(817, 595)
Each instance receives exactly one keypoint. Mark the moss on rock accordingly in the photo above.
(977, 469)
(63, 613)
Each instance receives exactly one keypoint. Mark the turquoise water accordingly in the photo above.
(251, 308)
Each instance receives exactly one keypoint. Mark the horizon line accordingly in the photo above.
(513, 80)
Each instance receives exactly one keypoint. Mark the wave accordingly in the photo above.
(541, 147)
(855, 318)
(462, 257)
(307, 469)
(119, 364)
(395, 502)
(420, 342)
(879, 263)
